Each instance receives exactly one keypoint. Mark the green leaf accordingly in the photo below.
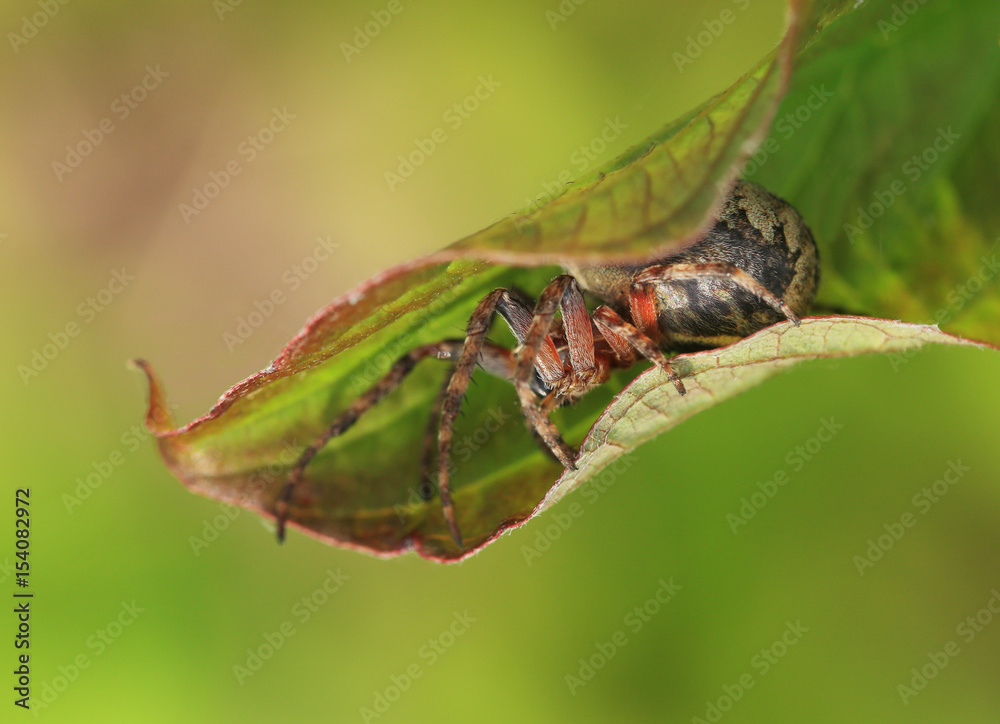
(887, 144)
(361, 490)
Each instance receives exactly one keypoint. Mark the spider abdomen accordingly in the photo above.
(757, 233)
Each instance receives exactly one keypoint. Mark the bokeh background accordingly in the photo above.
(134, 620)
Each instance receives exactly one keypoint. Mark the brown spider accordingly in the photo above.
(755, 266)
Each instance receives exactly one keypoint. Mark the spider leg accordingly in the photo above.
(495, 360)
(447, 349)
(578, 327)
(579, 337)
(426, 489)
(623, 351)
(518, 317)
(672, 272)
(642, 307)
(608, 319)
(544, 356)
(564, 293)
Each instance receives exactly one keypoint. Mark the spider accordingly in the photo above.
(756, 265)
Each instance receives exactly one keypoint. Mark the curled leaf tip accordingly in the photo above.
(159, 421)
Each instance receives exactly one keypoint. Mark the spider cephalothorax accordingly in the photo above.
(756, 265)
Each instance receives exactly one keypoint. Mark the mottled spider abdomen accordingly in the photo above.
(756, 232)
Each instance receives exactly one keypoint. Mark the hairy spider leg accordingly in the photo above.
(615, 330)
(427, 447)
(537, 350)
(564, 294)
(623, 351)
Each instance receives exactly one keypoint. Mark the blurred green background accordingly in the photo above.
(134, 619)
